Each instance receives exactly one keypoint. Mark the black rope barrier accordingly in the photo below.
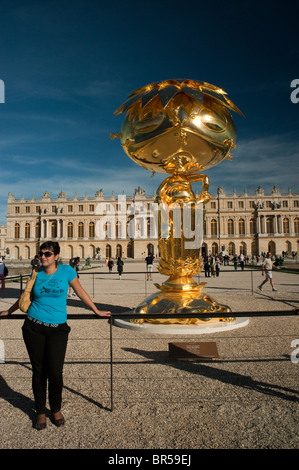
(129, 315)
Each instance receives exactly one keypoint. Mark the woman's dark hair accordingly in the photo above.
(49, 245)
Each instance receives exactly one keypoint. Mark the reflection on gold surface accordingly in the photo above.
(179, 127)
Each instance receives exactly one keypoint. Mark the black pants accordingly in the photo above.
(46, 347)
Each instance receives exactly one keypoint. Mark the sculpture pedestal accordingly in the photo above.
(177, 329)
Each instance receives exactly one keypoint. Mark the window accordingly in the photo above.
(285, 204)
(118, 251)
(37, 230)
(37, 209)
(214, 249)
(17, 210)
(251, 204)
(296, 225)
(268, 204)
(70, 230)
(269, 225)
(54, 229)
(80, 207)
(91, 207)
(91, 230)
(229, 204)
(241, 227)
(214, 227)
(213, 205)
(241, 204)
(54, 209)
(70, 208)
(27, 209)
(80, 230)
(296, 203)
(230, 227)
(252, 226)
(27, 230)
(231, 249)
(17, 231)
(286, 225)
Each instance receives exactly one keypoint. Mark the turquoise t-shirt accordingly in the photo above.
(50, 293)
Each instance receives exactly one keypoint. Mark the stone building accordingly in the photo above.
(100, 226)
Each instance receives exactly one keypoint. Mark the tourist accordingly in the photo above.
(149, 266)
(45, 330)
(120, 266)
(236, 262)
(207, 268)
(218, 263)
(2, 274)
(267, 268)
(110, 264)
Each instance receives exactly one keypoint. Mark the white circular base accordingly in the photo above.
(173, 329)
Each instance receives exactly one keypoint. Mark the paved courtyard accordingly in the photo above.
(247, 398)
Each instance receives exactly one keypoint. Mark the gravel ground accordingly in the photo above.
(245, 399)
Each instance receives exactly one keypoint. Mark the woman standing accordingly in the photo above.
(45, 330)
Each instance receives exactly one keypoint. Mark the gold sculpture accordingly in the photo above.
(179, 127)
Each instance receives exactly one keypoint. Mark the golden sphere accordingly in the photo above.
(178, 126)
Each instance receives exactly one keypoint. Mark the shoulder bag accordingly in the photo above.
(26, 297)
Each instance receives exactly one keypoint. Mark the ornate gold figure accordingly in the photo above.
(179, 127)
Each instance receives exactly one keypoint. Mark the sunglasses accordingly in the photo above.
(47, 254)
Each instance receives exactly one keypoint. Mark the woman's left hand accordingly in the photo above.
(103, 313)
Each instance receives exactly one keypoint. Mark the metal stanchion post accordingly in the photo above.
(111, 365)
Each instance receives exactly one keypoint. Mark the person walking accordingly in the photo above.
(110, 264)
(45, 330)
(120, 266)
(267, 267)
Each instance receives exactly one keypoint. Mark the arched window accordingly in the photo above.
(27, 230)
(230, 227)
(37, 230)
(80, 230)
(241, 227)
(269, 225)
(252, 226)
(54, 229)
(17, 231)
(214, 227)
(243, 249)
(91, 230)
(70, 230)
(214, 249)
(108, 251)
(107, 229)
(150, 249)
(231, 249)
(119, 251)
(296, 225)
(286, 225)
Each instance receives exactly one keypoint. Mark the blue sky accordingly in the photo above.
(68, 65)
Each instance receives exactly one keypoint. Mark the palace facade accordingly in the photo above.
(99, 227)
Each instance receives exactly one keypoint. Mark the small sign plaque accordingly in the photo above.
(193, 351)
